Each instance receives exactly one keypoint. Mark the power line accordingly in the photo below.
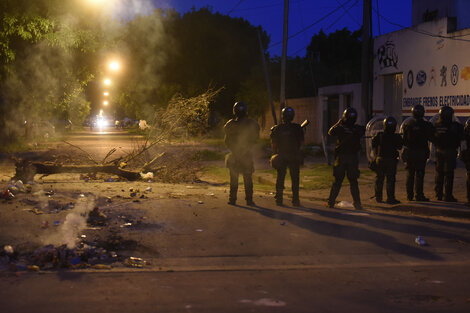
(423, 32)
(351, 16)
(236, 5)
(346, 11)
(311, 25)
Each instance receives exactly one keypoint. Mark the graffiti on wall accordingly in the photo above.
(387, 55)
(443, 76)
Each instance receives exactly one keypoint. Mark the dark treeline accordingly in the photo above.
(53, 54)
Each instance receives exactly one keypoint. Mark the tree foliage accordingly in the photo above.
(169, 53)
(46, 53)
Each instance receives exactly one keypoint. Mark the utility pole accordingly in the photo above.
(365, 61)
(266, 74)
(282, 98)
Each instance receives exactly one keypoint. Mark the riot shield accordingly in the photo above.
(374, 126)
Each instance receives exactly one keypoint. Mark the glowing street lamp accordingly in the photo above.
(114, 66)
(107, 81)
(105, 102)
(106, 93)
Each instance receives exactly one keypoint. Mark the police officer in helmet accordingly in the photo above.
(348, 145)
(286, 140)
(465, 156)
(447, 137)
(386, 145)
(416, 136)
(241, 135)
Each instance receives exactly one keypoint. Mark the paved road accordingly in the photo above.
(99, 142)
(208, 256)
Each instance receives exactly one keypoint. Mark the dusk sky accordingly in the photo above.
(311, 15)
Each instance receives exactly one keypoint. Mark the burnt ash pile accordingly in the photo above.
(84, 231)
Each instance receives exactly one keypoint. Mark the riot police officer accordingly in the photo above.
(286, 140)
(346, 155)
(416, 136)
(386, 145)
(241, 134)
(465, 156)
(447, 137)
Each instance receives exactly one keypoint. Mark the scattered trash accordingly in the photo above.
(36, 211)
(344, 204)
(44, 224)
(109, 199)
(7, 194)
(264, 302)
(146, 176)
(16, 187)
(56, 223)
(283, 223)
(125, 225)
(83, 236)
(199, 230)
(101, 267)
(109, 180)
(33, 268)
(142, 197)
(211, 194)
(113, 254)
(420, 241)
(200, 202)
(148, 189)
(135, 262)
(96, 218)
(8, 249)
(133, 194)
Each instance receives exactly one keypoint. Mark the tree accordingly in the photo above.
(46, 53)
(169, 53)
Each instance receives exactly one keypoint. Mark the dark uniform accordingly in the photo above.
(447, 137)
(287, 139)
(465, 156)
(348, 144)
(241, 134)
(416, 136)
(386, 145)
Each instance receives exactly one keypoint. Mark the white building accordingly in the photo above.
(428, 63)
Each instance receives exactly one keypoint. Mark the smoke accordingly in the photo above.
(74, 224)
(129, 9)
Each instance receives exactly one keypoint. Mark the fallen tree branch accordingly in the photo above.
(89, 155)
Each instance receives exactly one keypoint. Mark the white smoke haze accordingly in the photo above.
(129, 9)
(74, 224)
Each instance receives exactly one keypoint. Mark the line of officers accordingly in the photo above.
(242, 133)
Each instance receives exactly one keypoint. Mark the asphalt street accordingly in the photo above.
(207, 256)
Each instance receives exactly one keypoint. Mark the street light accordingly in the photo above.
(106, 93)
(105, 102)
(114, 66)
(107, 81)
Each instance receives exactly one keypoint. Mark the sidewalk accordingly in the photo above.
(366, 186)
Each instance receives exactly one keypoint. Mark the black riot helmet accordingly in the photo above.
(350, 116)
(390, 124)
(288, 114)
(418, 111)
(240, 109)
(446, 114)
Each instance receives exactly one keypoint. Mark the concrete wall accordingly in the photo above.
(436, 71)
(305, 108)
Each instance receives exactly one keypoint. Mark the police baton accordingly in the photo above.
(304, 124)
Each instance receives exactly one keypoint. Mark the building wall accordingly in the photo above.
(305, 108)
(458, 9)
(436, 71)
